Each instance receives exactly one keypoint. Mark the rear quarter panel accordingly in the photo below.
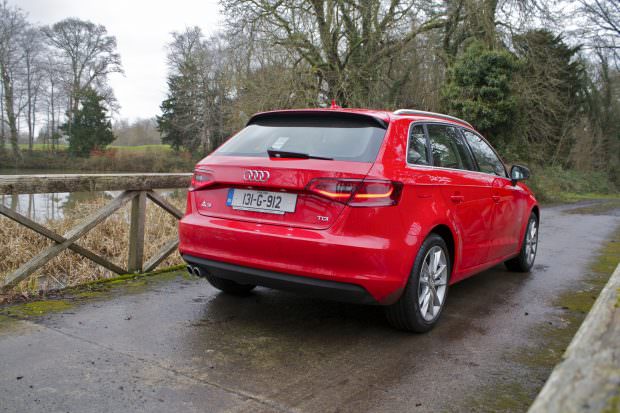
(421, 207)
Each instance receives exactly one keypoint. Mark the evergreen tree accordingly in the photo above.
(193, 114)
(90, 127)
(180, 123)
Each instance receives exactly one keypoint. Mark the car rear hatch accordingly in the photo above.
(285, 168)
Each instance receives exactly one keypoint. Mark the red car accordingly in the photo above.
(362, 206)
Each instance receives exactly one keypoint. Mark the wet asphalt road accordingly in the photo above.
(176, 345)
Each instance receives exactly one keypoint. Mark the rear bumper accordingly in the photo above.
(361, 255)
(329, 290)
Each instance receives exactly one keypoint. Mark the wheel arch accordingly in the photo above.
(536, 211)
(446, 233)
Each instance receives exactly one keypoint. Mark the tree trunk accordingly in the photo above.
(29, 107)
(53, 129)
(2, 135)
(11, 118)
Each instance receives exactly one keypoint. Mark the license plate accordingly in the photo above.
(261, 201)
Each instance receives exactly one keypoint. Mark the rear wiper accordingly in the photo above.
(298, 155)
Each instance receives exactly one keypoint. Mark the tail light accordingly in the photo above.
(201, 179)
(357, 192)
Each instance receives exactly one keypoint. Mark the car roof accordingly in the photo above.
(383, 116)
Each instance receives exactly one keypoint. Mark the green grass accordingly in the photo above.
(573, 197)
(40, 147)
(141, 148)
(63, 147)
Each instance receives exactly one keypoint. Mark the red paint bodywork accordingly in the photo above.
(373, 247)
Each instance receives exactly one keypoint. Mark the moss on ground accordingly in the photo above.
(63, 300)
(130, 283)
(504, 397)
(549, 341)
(5, 323)
(124, 277)
(37, 308)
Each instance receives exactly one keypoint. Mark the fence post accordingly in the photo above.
(136, 233)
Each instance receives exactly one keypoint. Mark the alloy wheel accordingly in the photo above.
(531, 242)
(433, 282)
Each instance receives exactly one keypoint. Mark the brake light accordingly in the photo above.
(357, 192)
(201, 179)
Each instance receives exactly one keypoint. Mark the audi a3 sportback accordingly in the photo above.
(361, 206)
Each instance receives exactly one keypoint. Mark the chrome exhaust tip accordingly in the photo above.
(190, 270)
(197, 272)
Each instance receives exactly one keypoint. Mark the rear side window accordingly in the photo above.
(485, 156)
(447, 148)
(416, 152)
(353, 140)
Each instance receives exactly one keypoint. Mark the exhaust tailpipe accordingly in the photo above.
(190, 270)
(197, 272)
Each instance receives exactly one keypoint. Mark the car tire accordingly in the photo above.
(529, 245)
(414, 311)
(229, 286)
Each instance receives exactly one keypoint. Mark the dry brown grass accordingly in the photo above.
(109, 239)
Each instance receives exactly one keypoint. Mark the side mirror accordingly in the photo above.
(518, 173)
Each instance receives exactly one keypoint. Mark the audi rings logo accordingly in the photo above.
(255, 175)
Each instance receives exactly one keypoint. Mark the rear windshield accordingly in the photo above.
(339, 139)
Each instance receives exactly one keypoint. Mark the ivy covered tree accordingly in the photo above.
(479, 89)
(90, 128)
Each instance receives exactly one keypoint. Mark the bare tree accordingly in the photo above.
(13, 24)
(32, 49)
(346, 43)
(55, 97)
(88, 55)
(603, 28)
(194, 114)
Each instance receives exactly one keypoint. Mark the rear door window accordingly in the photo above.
(416, 150)
(353, 140)
(448, 149)
(488, 161)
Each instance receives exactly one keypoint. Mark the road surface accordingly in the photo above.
(174, 344)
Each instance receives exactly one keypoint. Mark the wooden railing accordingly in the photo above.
(136, 188)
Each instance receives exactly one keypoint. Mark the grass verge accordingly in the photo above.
(552, 185)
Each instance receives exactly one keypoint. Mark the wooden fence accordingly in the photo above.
(136, 188)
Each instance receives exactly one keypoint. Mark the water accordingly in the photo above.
(43, 207)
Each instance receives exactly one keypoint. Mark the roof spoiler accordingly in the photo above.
(433, 114)
(335, 114)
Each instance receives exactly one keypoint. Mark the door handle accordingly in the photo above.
(496, 198)
(457, 199)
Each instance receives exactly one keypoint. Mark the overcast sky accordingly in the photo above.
(142, 29)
